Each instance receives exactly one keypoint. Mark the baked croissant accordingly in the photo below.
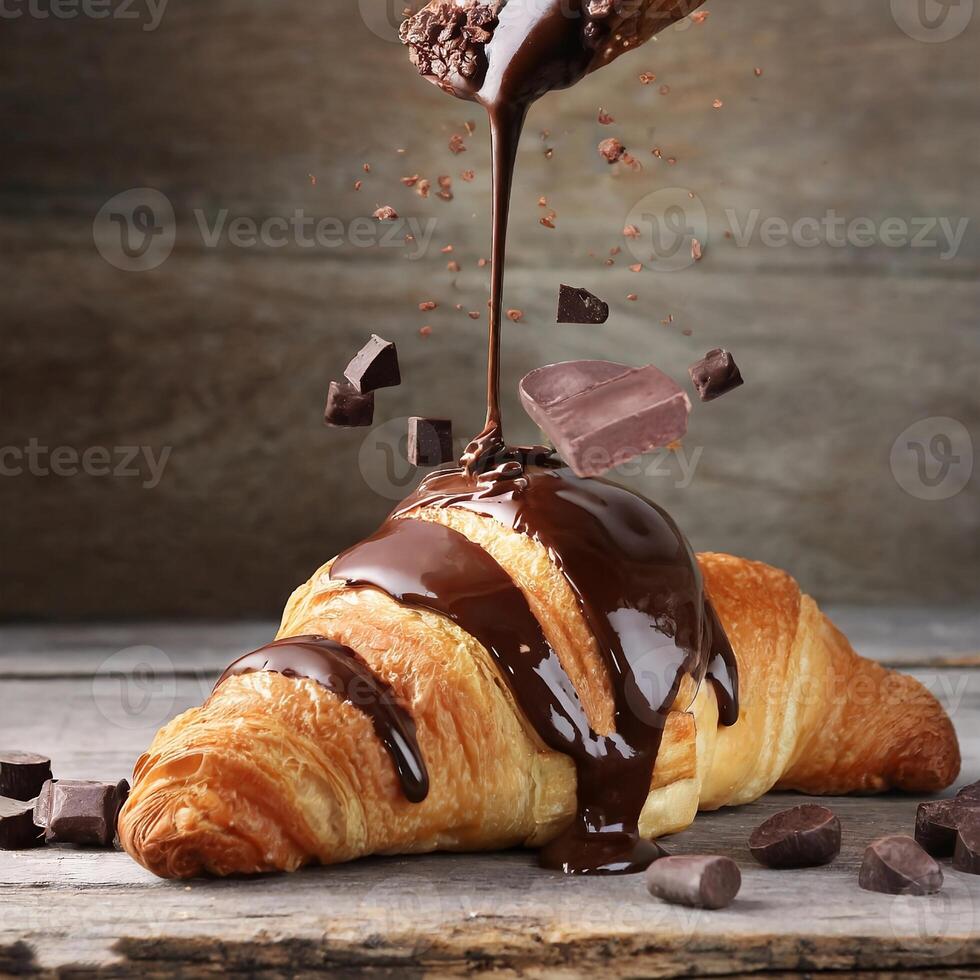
(277, 770)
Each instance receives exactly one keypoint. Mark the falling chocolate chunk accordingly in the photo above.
(936, 823)
(580, 306)
(22, 774)
(700, 882)
(374, 366)
(17, 829)
(898, 866)
(715, 375)
(803, 837)
(430, 441)
(346, 407)
(966, 856)
(971, 792)
(75, 811)
(600, 415)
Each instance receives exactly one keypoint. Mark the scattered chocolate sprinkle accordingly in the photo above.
(549, 153)
(717, 104)
(457, 144)
(611, 150)
(452, 265)
(367, 168)
(547, 222)
(410, 181)
(515, 315)
(615, 250)
(386, 213)
(312, 179)
(474, 314)
(604, 118)
(482, 263)
(632, 297)
(468, 175)
(696, 251)
(647, 77)
(542, 202)
(445, 195)
(700, 16)
(638, 267)
(428, 305)
(422, 188)
(358, 184)
(758, 72)
(470, 127)
(631, 231)
(445, 181)
(425, 331)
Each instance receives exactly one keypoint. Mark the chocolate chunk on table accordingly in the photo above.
(966, 855)
(374, 366)
(936, 823)
(715, 375)
(75, 811)
(898, 866)
(430, 441)
(580, 306)
(699, 881)
(346, 407)
(599, 414)
(17, 829)
(802, 837)
(22, 774)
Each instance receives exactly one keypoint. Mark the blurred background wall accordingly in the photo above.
(169, 321)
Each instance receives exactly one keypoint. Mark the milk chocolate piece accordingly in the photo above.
(430, 441)
(599, 414)
(580, 306)
(75, 811)
(803, 837)
(715, 375)
(936, 823)
(701, 882)
(346, 407)
(17, 830)
(22, 774)
(971, 792)
(898, 866)
(374, 366)
(966, 856)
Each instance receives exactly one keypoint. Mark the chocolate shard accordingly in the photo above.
(346, 407)
(600, 415)
(936, 823)
(715, 375)
(430, 441)
(580, 306)
(17, 829)
(966, 855)
(971, 792)
(374, 366)
(22, 774)
(803, 837)
(76, 811)
(898, 866)
(702, 882)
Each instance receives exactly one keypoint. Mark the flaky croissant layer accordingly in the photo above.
(274, 772)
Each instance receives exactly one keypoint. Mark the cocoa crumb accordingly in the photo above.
(468, 175)
(358, 184)
(474, 314)
(638, 267)
(446, 249)
(410, 181)
(631, 231)
(657, 152)
(610, 262)
(312, 179)
(672, 160)
(549, 153)
(717, 104)
(758, 72)
(470, 127)
(615, 250)
(547, 222)
(445, 182)
(696, 251)
(700, 16)
(483, 263)
(367, 168)
(445, 195)
(452, 265)
(457, 144)
(515, 315)
(542, 202)
(425, 331)
(386, 213)
(611, 150)
(632, 297)
(665, 90)
(428, 306)
(632, 162)
(647, 77)
(422, 188)
(604, 118)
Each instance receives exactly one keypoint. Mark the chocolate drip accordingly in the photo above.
(340, 670)
(640, 590)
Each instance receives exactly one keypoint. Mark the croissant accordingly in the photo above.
(524, 659)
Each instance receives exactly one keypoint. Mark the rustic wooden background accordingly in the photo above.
(222, 354)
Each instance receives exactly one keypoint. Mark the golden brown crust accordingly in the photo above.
(273, 773)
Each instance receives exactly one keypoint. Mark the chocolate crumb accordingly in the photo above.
(696, 251)
(358, 184)
(604, 118)
(468, 175)
(611, 150)
(515, 315)
(410, 181)
(428, 305)
(452, 265)
(425, 331)
(457, 144)
(547, 222)
(631, 231)
(647, 77)
(386, 213)
(474, 314)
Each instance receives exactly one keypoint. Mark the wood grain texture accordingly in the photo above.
(85, 913)
(223, 353)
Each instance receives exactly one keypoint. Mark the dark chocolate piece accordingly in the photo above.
(898, 866)
(701, 882)
(715, 375)
(936, 823)
(430, 441)
(971, 792)
(966, 856)
(599, 414)
(346, 407)
(77, 811)
(580, 306)
(17, 830)
(374, 366)
(803, 837)
(22, 774)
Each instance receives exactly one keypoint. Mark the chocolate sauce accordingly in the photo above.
(340, 670)
(640, 591)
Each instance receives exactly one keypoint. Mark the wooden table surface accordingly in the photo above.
(92, 697)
